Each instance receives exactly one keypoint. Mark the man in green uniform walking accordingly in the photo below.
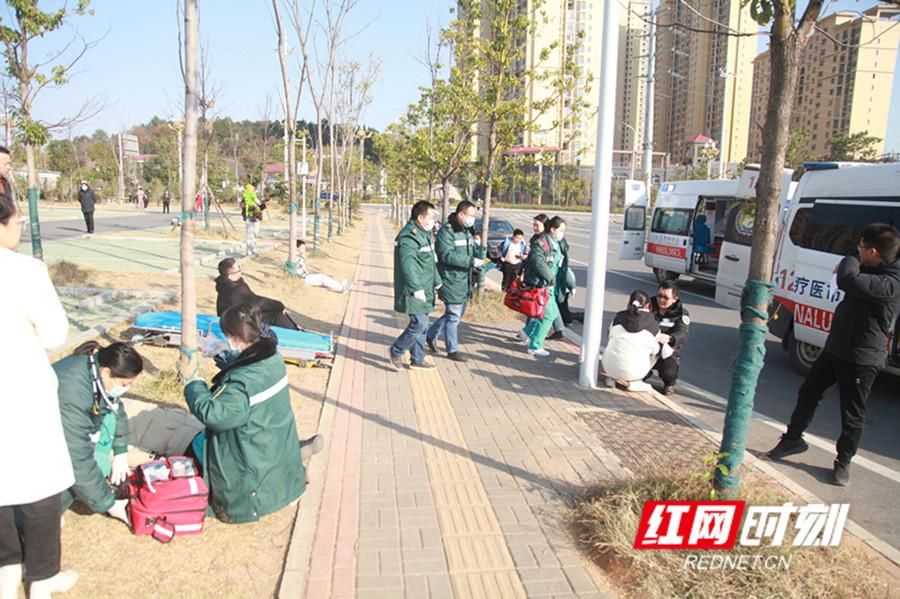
(416, 281)
(456, 259)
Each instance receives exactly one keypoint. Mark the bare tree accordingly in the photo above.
(189, 185)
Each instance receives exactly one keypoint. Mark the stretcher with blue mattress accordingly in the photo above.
(305, 348)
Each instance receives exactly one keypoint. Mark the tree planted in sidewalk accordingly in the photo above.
(853, 146)
(30, 77)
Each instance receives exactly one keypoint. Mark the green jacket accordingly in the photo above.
(455, 252)
(252, 453)
(562, 275)
(542, 264)
(415, 268)
(82, 414)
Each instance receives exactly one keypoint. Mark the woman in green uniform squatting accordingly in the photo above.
(250, 450)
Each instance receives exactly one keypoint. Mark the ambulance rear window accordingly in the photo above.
(835, 227)
(672, 221)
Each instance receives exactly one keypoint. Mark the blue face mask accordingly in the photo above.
(117, 392)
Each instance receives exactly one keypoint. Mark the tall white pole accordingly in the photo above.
(593, 324)
(647, 161)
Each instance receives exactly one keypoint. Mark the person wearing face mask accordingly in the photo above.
(250, 453)
(416, 282)
(232, 289)
(36, 465)
(541, 270)
(456, 259)
(92, 382)
(87, 199)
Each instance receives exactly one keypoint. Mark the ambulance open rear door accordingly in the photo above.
(634, 225)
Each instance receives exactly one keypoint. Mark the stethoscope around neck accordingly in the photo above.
(111, 403)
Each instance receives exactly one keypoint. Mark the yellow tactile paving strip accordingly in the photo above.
(478, 559)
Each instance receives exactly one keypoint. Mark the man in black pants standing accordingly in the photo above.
(856, 347)
(674, 326)
(87, 199)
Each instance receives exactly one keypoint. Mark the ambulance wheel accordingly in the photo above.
(802, 354)
(664, 275)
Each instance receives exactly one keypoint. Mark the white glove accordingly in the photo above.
(420, 295)
(477, 262)
(118, 512)
(213, 346)
(572, 292)
(119, 468)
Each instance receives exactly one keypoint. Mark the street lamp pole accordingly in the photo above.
(633, 148)
(596, 289)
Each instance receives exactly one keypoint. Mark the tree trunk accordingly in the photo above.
(757, 294)
(319, 159)
(291, 126)
(445, 196)
(189, 184)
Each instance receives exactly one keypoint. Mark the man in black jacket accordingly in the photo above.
(87, 199)
(856, 347)
(674, 323)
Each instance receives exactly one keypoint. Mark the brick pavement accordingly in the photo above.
(453, 482)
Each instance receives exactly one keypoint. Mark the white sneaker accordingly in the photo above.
(523, 336)
(345, 286)
(62, 582)
(10, 579)
(639, 386)
(541, 353)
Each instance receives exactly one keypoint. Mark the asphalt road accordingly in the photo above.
(874, 492)
(66, 229)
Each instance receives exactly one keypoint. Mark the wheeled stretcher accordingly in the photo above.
(304, 348)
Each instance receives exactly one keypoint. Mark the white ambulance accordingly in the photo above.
(675, 245)
(832, 204)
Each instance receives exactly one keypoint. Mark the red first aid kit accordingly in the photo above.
(530, 301)
(167, 497)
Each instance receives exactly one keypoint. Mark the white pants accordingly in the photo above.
(252, 230)
(320, 280)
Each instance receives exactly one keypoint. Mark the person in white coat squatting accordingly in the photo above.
(633, 344)
(36, 467)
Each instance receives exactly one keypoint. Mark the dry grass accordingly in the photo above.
(605, 520)
(227, 560)
(488, 307)
(68, 274)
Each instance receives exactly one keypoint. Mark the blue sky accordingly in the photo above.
(134, 68)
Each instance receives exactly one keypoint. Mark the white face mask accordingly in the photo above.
(429, 224)
(469, 222)
(560, 236)
(84, 188)
(117, 392)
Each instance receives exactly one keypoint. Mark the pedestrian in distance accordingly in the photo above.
(252, 213)
(166, 200)
(141, 197)
(416, 282)
(856, 347)
(633, 344)
(512, 257)
(250, 453)
(674, 326)
(92, 382)
(456, 260)
(541, 270)
(87, 199)
(36, 464)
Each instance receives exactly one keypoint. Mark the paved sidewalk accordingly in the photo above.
(452, 483)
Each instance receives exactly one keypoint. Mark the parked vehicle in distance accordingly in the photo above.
(498, 230)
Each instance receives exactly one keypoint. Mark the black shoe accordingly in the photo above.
(555, 336)
(787, 447)
(668, 390)
(422, 366)
(397, 363)
(840, 476)
(457, 357)
(429, 343)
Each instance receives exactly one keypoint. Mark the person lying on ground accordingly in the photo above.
(232, 290)
(91, 384)
(633, 344)
(317, 279)
(250, 453)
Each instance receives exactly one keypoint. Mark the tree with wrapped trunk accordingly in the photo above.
(788, 38)
(30, 77)
(190, 69)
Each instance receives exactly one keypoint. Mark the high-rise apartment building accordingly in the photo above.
(703, 80)
(845, 81)
(559, 24)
